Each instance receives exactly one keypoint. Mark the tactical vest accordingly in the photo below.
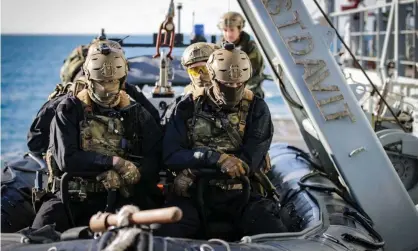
(98, 133)
(73, 63)
(69, 87)
(101, 134)
(207, 129)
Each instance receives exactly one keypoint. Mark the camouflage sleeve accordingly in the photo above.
(257, 62)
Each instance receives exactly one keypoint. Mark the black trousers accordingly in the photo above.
(258, 215)
(53, 211)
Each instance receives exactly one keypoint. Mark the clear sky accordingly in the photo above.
(116, 16)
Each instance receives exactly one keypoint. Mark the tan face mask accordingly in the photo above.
(105, 93)
(225, 96)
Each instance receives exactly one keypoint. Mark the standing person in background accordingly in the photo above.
(231, 25)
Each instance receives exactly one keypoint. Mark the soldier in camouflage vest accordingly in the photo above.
(38, 135)
(231, 25)
(194, 61)
(101, 130)
(225, 127)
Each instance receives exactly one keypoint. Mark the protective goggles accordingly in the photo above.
(197, 71)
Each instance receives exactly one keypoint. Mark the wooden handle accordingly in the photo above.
(101, 221)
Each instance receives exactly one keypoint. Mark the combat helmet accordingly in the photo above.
(229, 65)
(105, 69)
(231, 19)
(197, 52)
(229, 68)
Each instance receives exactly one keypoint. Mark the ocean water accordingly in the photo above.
(30, 68)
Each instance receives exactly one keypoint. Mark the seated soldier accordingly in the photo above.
(101, 130)
(225, 128)
(38, 135)
(194, 60)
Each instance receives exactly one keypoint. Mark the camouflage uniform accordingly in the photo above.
(194, 56)
(226, 128)
(38, 135)
(101, 130)
(244, 43)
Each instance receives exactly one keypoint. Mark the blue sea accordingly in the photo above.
(30, 66)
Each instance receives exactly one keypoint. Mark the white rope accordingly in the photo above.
(125, 237)
(124, 213)
(123, 240)
(204, 246)
(224, 243)
(246, 239)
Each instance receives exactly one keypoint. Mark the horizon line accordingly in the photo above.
(95, 34)
(88, 34)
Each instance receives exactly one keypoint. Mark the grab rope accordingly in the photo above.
(126, 236)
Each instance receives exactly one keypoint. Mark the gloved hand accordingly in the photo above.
(182, 182)
(111, 180)
(127, 170)
(232, 165)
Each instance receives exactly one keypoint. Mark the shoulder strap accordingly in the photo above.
(55, 93)
(79, 85)
(246, 101)
(233, 134)
(60, 89)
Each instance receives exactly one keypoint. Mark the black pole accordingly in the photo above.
(179, 7)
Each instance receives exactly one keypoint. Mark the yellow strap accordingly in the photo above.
(248, 95)
(247, 98)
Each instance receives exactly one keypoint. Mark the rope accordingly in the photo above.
(224, 243)
(125, 236)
